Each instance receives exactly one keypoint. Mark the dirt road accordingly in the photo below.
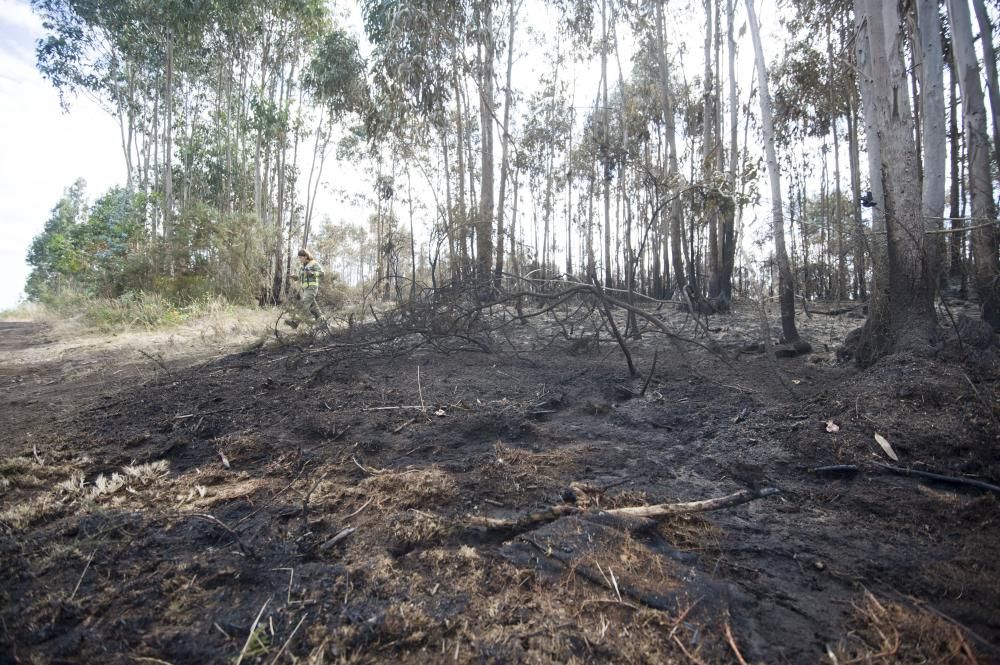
(314, 503)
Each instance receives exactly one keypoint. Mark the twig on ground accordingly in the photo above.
(80, 581)
(404, 425)
(957, 480)
(850, 469)
(239, 541)
(986, 405)
(656, 353)
(253, 629)
(158, 362)
(687, 653)
(659, 510)
(372, 471)
(732, 644)
(341, 535)
(290, 636)
(308, 495)
(420, 392)
(363, 506)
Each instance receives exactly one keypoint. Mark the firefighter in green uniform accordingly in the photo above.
(308, 279)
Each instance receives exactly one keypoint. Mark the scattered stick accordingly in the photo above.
(986, 405)
(363, 506)
(285, 645)
(239, 541)
(732, 644)
(341, 535)
(850, 469)
(665, 509)
(420, 391)
(656, 352)
(955, 480)
(371, 471)
(836, 470)
(253, 629)
(80, 581)
(653, 601)
(308, 495)
(404, 426)
(655, 511)
(687, 653)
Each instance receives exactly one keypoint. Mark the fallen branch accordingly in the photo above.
(341, 535)
(652, 512)
(851, 469)
(955, 480)
(666, 509)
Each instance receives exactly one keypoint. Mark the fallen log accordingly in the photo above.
(648, 512)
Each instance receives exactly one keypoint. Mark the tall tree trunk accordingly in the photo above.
(461, 216)
(934, 131)
(673, 172)
(854, 159)
(727, 227)
(839, 288)
(709, 153)
(786, 289)
(956, 270)
(605, 139)
(990, 60)
(168, 148)
(907, 321)
(984, 230)
(505, 142)
(484, 230)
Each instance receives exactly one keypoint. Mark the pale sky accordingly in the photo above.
(42, 149)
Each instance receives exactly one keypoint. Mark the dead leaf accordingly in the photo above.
(225, 462)
(440, 413)
(832, 426)
(882, 441)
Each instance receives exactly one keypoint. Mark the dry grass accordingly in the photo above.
(410, 489)
(28, 513)
(884, 633)
(28, 473)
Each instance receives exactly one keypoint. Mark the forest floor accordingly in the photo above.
(208, 500)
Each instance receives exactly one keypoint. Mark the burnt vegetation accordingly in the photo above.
(457, 479)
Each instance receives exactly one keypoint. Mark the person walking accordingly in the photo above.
(308, 278)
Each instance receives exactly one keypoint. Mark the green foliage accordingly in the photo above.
(91, 250)
(416, 45)
(336, 74)
(104, 252)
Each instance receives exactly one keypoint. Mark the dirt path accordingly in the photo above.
(331, 495)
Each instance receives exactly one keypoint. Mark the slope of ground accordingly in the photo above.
(317, 502)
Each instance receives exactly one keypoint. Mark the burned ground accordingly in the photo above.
(315, 501)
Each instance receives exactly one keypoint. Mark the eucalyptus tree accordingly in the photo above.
(335, 77)
(421, 59)
(786, 288)
(984, 230)
(903, 319)
(990, 63)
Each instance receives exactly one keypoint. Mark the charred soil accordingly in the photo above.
(306, 502)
